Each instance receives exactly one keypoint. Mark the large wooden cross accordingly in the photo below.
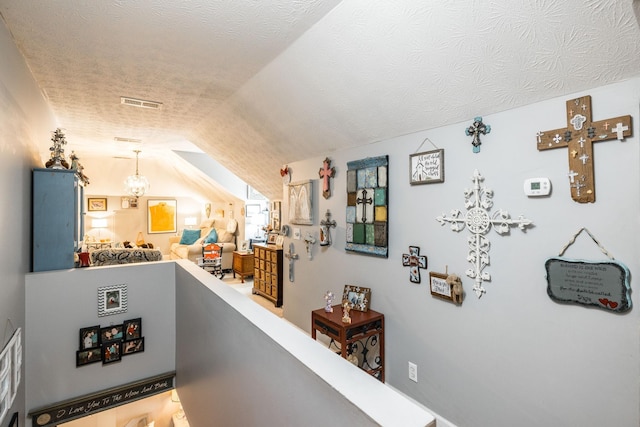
(579, 136)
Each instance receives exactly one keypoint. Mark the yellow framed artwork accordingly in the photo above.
(162, 216)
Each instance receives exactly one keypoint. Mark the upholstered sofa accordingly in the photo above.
(225, 236)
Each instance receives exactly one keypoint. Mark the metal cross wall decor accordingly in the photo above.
(476, 129)
(578, 137)
(326, 172)
(291, 256)
(478, 221)
(415, 262)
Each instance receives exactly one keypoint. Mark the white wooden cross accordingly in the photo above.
(478, 202)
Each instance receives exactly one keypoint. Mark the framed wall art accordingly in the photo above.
(426, 167)
(367, 219)
(86, 357)
(129, 202)
(112, 300)
(300, 203)
(111, 352)
(97, 204)
(132, 329)
(90, 337)
(162, 216)
(359, 298)
(133, 346)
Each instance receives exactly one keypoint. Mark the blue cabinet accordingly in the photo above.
(58, 218)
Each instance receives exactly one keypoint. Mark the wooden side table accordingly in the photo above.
(365, 330)
(242, 264)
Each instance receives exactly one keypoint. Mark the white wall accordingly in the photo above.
(513, 357)
(59, 303)
(25, 121)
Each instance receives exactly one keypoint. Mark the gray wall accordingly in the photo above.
(25, 120)
(59, 303)
(513, 356)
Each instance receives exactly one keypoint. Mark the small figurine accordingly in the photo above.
(456, 287)
(328, 297)
(346, 307)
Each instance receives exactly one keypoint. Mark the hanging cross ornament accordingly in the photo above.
(291, 256)
(579, 136)
(476, 129)
(325, 229)
(326, 172)
(478, 221)
(415, 262)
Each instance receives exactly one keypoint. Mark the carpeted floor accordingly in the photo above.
(245, 288)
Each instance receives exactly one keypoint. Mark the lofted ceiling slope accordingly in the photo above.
(258, 84)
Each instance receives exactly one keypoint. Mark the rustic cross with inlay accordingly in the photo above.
(326, 172)
(362, 202)
(579, 136)
(415, 262)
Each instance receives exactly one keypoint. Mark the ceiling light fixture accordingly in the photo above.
(136, 185)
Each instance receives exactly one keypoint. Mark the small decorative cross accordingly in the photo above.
(326, 172)
(580, 134)
(363, 202)
(478, 128)
(291, 256)
(415, 262)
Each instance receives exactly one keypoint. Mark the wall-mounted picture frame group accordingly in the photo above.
(359, 298)
(426, 167)
(128, 202)
(162, 216)
(108, 344)
(96, 204)
(112, 300)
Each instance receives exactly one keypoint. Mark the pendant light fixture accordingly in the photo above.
(136, 185)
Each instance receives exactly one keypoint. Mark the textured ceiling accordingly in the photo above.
(271, 82)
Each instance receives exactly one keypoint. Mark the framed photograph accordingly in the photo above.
(252, 210)
(271, 239)
(129, 202)
(112, 300)
(111, 351)
(86, 357)
(111, 333)
(132, 329)
(162, 216)
(244, 246)
(133, 346)
(97, 204)
(300, 203)
(439, 286)
(89, 337)
(359, 298)
(426, 167)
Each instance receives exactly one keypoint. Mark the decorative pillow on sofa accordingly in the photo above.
(212, 237)
(189, 237)
(224, 236)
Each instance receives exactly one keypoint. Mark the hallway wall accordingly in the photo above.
(513, 355)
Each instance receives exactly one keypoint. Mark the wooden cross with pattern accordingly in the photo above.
(578, 137)
(326, 172)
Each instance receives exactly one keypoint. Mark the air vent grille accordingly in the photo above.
(131, 140)
(141, 103)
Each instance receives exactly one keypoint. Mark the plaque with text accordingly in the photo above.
(601, 284)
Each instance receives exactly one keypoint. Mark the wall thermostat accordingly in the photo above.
(534, 187)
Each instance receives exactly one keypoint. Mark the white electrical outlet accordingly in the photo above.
(413, 372)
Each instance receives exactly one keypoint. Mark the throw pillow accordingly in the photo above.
(189, 237)
(212, 237)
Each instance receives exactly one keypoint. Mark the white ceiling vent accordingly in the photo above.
(131, 140)
(140, 103)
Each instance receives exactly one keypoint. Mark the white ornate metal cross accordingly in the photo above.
(478, 221)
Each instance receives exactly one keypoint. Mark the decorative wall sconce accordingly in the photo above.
(325, 229)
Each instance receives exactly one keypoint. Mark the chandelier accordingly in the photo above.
(136, 185)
